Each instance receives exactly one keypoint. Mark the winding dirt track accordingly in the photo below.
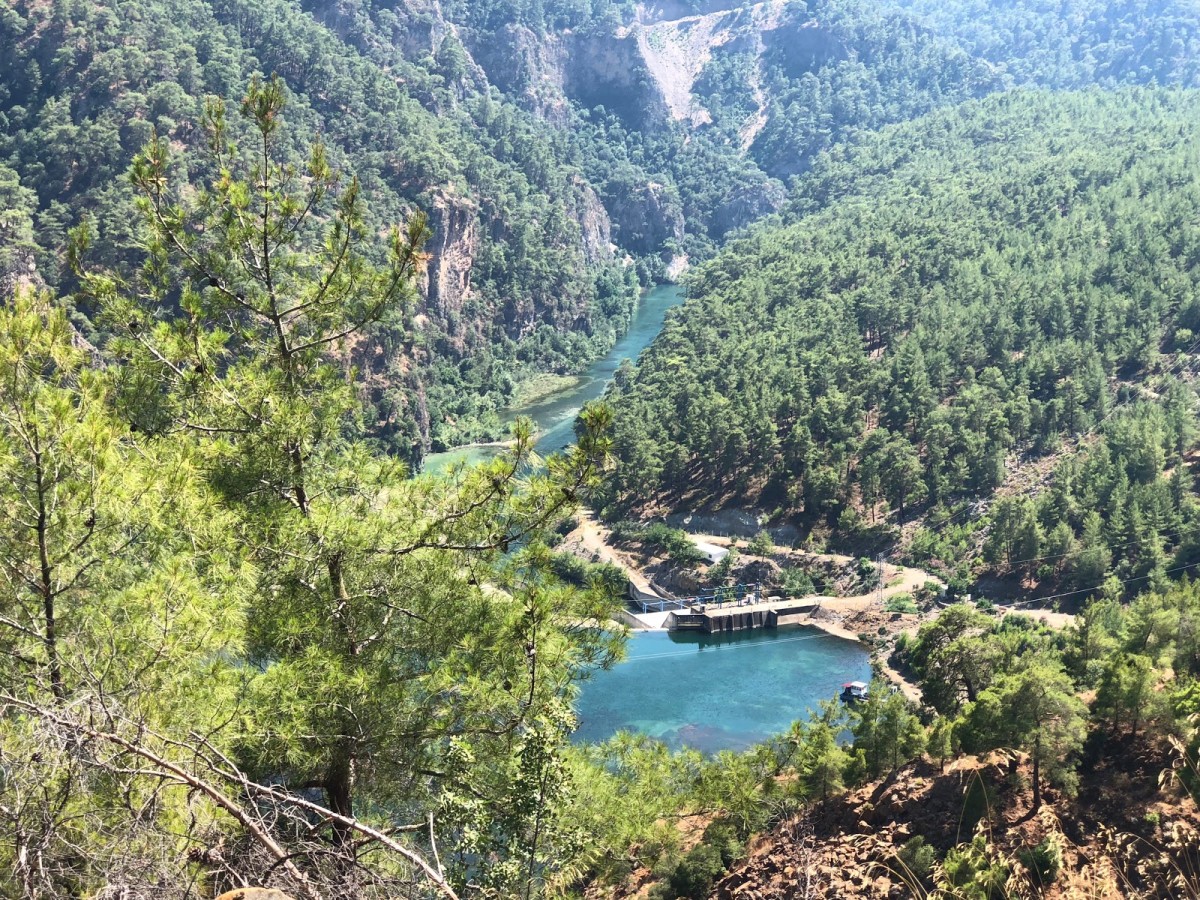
(594, 538)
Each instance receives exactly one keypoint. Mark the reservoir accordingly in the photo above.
(718, 692)
(554, 416)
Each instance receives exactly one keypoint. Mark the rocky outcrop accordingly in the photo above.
(527, 66)
(595, 228)
(611, 70)
(452, 248)
(18, 270)
(646, 216)
(675, 49)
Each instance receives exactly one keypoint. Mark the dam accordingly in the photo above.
(742, 607)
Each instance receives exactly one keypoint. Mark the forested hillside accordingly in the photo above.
(1014, 278)
(566, 152)
(1076, 43)
(520, 255)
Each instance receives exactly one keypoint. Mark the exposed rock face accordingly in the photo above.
(452, 248)
(527, 66)
(594, 225)
(676, 48)
(646, 216)
(645, 72)
(18, 270)
(611, 70)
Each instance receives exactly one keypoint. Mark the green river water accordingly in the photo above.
(710, 692)
(718, 692)
(555, 415)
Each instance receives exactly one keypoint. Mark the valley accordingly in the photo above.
(599, 449)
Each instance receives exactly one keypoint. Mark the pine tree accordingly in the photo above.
(397, 652)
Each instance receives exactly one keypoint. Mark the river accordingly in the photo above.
(709, 692)
(718, 692)
(554, 416)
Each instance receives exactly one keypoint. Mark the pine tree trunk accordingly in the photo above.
(339, 793)
(1037, 774)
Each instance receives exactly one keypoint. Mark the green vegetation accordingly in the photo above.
(522, 198)
(661, 538)
(85, 86)
(901, 603)
(951, 294)
(226, 601)
(1105, 43)
(240, 642)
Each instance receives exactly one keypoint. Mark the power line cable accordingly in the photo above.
(1184, 359)
(1098, 587)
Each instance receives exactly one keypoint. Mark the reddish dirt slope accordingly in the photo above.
(1122, 836)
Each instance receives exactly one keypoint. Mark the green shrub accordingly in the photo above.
(674, 542)
(901, 603)
(724, 837)
(570, 568)
(722, 570)
(626, 530)
(573, 570)
(916, 859)
(762, 544)
(694, 876)
(1043, 861)
(971, 872)
(798, 583)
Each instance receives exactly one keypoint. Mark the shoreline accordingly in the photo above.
(476, 445)
(834, 630)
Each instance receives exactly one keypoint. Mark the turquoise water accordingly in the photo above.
(554, 416)
(718, 692)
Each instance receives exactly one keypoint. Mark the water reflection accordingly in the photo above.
(718, 692)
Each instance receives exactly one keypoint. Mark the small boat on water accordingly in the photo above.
(854, 691)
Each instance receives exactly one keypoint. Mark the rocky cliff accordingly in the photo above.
(453, 246)
(647, 217)
(528, 66)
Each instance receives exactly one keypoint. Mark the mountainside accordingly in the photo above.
(520, 248)
(1009, 277)
(1138, 843)
(565, 152)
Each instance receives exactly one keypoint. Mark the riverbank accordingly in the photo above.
(553, 402)
(847, 618)
(862, 618)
